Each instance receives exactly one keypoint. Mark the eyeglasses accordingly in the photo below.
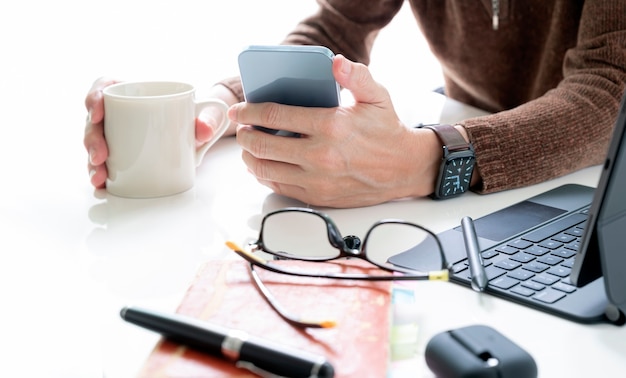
(311, 237)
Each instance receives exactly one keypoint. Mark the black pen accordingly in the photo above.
(475, 260)
(257, 355)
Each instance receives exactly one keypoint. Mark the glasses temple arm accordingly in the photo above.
(269, 297)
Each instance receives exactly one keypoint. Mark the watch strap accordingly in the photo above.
(450, 137)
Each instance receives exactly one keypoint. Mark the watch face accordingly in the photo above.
(457, 174)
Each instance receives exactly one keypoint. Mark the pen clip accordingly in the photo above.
(256, 370)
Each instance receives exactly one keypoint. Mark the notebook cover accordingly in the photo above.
(358, 346)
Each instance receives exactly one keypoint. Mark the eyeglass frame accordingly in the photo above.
(339, 242)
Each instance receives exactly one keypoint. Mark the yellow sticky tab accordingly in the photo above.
(439, 275)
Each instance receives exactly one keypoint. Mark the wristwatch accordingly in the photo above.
(457, 165)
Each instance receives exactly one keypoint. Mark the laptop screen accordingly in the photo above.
(603, 247)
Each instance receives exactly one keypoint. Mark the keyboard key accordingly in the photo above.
(503, 282)
(574, 246)
(522, 257)
(507, 250)
(545, 280)
(569, 263)
(551, 244)
(462, 270)
(521, 274)
(564, 253)
(559, 271)
(564, 238)
(522, 291)
(520, 244)
(549, 296)
(486, 263)
(535, 267)
(564, 287)
(568, 280)
(489, 254)
(464, 275)
(493, 272)
(554, 228)
(550, 260)
(537, 251)
(530, 284)
(459, 267)
(575, 231)
(507, 264)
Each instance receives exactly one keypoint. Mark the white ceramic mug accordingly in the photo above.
(150, 132)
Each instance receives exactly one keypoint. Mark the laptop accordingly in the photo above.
(562, 252)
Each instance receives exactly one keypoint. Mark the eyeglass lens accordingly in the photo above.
(304, 236)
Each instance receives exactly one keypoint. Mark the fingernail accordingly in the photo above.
(89, 116)
(346, 67)
(92, 173)
(232, 112)
(92, 155)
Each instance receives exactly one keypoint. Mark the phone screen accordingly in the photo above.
(290, 75)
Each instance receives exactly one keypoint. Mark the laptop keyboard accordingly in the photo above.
(535, 265)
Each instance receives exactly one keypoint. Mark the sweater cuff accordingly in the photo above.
(234, 85)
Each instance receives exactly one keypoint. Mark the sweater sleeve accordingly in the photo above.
(569, 127)
(345, 27)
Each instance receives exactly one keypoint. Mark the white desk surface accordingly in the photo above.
(72, 257)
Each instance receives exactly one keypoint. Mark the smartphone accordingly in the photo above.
(290, 75)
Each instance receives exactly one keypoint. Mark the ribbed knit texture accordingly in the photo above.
(553, 74)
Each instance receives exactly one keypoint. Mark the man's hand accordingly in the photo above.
(94, 133)
(95, 142)
(348, 156)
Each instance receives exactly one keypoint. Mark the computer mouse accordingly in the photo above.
(477, 351)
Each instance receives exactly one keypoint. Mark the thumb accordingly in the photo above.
(357, 78)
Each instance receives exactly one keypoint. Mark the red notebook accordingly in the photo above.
(222, 293)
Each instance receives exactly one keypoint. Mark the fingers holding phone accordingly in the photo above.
(352, 155)
(288, 75)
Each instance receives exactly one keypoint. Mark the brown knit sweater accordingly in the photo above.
(553, 74)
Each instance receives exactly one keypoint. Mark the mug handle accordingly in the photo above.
(201, 105)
